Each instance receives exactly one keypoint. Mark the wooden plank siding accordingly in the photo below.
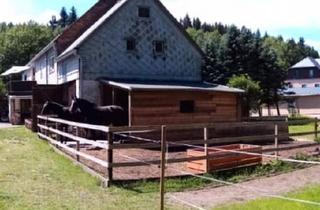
(163, 107)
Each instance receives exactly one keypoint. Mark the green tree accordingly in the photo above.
(63, 22)
(19, 43)
(72, 16)
(252, 97)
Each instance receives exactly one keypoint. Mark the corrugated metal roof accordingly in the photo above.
(15, 70)
(179, 85)
(308, 91)
(307, 62)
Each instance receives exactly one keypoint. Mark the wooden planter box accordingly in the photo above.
(224, 160)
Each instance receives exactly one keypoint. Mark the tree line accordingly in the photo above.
(236, 55)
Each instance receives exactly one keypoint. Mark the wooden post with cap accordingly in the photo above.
(163, 165)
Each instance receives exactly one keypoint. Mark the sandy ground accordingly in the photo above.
(151, 172)
(277, 185)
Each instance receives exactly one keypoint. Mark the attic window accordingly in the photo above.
(144, 12)
(131, 44)
(158, 47)
(187, 106)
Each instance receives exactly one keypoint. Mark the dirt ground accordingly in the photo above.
(276, 185)
(150, 172)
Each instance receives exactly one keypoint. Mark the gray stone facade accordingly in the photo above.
(104, 53)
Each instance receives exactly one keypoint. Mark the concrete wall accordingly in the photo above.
(104, 53)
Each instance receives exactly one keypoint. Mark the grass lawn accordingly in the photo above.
(301, 128)
(33, 176)
(311, 194)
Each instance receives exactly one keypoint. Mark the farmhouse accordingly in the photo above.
(302, 95)
(131, 53)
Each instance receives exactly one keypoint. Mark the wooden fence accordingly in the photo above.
(54, 130)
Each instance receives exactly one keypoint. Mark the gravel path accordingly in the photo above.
(6, 125)
(210, 198)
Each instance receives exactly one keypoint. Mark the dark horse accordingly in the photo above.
(99, 115)
(61, 111)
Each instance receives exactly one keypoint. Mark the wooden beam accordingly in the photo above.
(75, 152)
(163, 166)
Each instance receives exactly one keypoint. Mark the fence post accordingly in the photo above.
(110, 158)
(316, 128)
(163, 165)
(276, 139)
(205, 136)
(78, 144)
(57, 128)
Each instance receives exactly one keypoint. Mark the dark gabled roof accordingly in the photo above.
(73, 32)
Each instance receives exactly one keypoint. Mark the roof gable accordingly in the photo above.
(307, 63)
(74, 31)
(114, 9)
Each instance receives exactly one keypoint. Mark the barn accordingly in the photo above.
(135, 54)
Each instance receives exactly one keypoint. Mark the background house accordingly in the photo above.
(302, 95)
(131, 53)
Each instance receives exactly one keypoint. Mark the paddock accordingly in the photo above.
(139, 158)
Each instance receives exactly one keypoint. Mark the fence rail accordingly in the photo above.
(53, 130)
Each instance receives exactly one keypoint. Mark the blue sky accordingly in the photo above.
(289, 18)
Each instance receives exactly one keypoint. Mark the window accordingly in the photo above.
(187, 106)
(158, 47)
(290, 85)
(311, 73)
(144, 12)
(317, 85)
(51, 65)
(131, 44)
(304, 86)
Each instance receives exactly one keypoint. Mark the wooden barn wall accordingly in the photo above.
(163, 107)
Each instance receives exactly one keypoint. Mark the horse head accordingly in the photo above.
(80, 105)
(45, 108)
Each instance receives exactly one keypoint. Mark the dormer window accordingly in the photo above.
(158, 47)
(131, 44)
(144, 12)
(304, 86)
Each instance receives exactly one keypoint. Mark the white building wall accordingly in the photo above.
(45, 73)
(27, 75)
(308, 82)
(68, 69)
(40, 66)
